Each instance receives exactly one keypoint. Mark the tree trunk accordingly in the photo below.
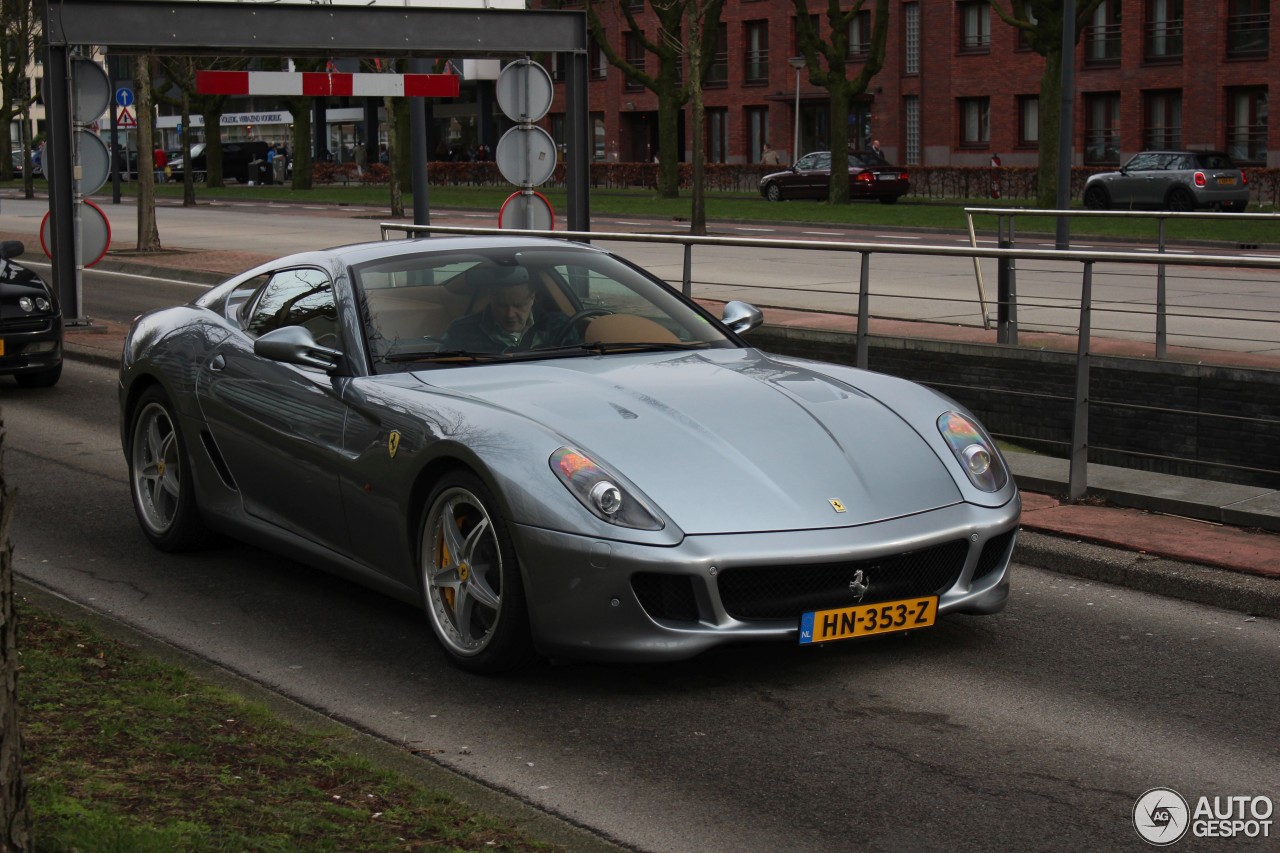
(838, 190)
(698, 215)
(397, 198)
(15, 815)
(148, 233)
(188, 176)
(1050, 122)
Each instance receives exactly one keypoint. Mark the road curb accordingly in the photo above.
(533, 821)
(1254, 595)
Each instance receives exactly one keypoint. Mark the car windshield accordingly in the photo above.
(532, 303)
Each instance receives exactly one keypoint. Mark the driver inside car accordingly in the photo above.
(509, 322)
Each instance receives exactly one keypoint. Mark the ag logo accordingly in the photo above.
(1161, 816)
(393, 443)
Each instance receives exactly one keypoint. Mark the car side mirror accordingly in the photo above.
(11, 248)
(296, 345)
(741, 317)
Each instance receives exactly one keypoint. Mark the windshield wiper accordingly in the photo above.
(458, 355)
(602, 348)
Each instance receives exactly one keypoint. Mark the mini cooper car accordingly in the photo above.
(869, 177)
(1170, 180)
(30, 323)
(552, 451)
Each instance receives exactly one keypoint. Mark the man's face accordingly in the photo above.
(510, 307)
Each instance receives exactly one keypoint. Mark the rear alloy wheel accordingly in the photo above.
(471, 582)
(1181, 200)
(160, 477)
(773, 192)
(1095, 198)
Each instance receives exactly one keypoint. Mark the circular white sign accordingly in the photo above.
(90, 91)
(529, 211)
(524, 90)
(94, 159)
(95, 233)
(526, 155)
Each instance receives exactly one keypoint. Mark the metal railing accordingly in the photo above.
(1087, 260)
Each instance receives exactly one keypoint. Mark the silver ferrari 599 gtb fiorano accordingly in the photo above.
(553, 452)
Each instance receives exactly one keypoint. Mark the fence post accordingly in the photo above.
(1078, 482)
(864, 309)
(688, 270)
(1162, 331)
(1006, 291)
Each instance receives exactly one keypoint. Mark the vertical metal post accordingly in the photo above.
(864, 310)
(64, 252)
(688, 270)
(1013, 291)
(1066, 121)
(418, 157)
(577, 127)
(1078, 482)
(1162, 330)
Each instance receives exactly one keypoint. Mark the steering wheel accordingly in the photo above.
(572, 322)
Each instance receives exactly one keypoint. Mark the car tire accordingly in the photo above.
(1095, 198)
(40, 378)
(1180, 200)
(471, 585)
(160, 477)
(773, 192)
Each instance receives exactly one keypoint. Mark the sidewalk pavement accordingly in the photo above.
(1214, 543)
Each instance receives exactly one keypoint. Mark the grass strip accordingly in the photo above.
(124, 753)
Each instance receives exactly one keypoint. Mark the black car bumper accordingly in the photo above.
(30, 346)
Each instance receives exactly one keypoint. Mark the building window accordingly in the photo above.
(718, 73)
(1163, 114)
(911, 38)
(635, 54)
(757, 119)
(1248, 26)
(557, 67)
(755, 67)
(1247, 125)
(1102, 35)
(1102, 128)
(1163, 31)
(597, 137)
(975, 121)
(860, 36)
(795, 34)
(1024, 40)
(1029, 121)
(597, 62)
(911, 116)
(717, 136)
(975, 27)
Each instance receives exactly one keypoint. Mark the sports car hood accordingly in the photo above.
(725, 441)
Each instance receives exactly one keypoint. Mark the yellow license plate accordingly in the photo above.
(864, 620)
(1227, 181)
(1, 346)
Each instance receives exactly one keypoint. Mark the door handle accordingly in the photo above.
(218, 362)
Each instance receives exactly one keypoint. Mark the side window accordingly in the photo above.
(300, 297)
(1143, 163)
(808, 161)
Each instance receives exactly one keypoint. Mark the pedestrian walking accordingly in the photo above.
(769, 156)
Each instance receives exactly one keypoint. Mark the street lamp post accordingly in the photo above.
(797, 62)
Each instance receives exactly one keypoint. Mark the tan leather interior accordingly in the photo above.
(627, 329)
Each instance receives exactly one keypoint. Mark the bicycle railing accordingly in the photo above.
(1078, 476)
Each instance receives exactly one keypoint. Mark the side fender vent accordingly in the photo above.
(219, 464)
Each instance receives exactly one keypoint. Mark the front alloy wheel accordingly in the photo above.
(159, 477)
(471, 583)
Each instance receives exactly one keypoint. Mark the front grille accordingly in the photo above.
(668, 597)
(13, 327)
(993, 555)
(784, 592)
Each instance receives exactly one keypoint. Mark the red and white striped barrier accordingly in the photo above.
(324, 83)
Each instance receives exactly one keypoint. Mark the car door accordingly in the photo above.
(278, 427)
(1132, 186)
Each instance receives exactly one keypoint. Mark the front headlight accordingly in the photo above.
(974, 451)
(601, 492)
(27, 304)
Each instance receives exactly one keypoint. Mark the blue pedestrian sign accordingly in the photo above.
(124, 96)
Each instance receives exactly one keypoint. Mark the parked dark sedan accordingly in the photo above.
(1170, 180)
(30, 323)
(869, 177)
(241, 161)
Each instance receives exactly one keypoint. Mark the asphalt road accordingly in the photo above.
(1036, 729)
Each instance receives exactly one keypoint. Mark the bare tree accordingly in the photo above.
(15, 815)
(148, 232)
(827, 63)
(666, 47)
(1040, 22)
(181, 72)
(19, 41)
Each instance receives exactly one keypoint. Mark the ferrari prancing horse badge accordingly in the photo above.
(393, 443)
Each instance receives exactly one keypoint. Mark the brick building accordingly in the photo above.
(959, 85)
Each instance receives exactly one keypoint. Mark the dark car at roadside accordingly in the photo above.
(1171, 180)
(870, 177)
(241, 161)
(30, 323)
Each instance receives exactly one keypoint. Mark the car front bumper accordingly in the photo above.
(30, 347)
(595, 599)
